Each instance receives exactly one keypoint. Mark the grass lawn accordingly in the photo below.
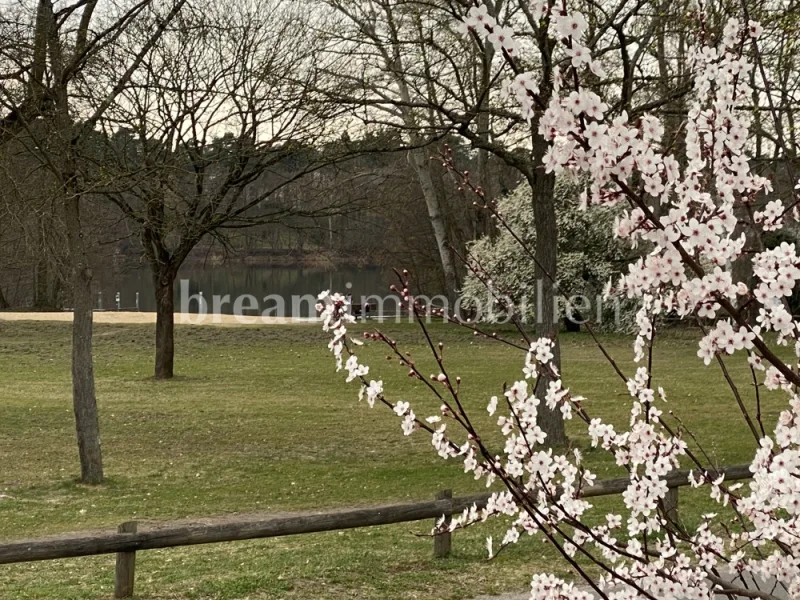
(258, 421)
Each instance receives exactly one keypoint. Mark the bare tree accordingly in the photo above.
(209, 134)
(49, 86)
(383, 77)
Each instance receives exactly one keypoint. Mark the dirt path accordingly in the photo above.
(520, 596)
(122, 317)
(758, 584)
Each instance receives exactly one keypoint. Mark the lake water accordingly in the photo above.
(238, 280)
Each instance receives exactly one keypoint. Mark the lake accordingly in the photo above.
(238, 280)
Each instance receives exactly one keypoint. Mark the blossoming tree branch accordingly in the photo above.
(705, 200)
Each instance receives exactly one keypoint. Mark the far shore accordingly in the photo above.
(145, 318)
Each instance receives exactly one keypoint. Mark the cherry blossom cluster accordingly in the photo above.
(683, 215)
(480, 22)
(778, 271)
(726, 338)
(771, 218)
(524, 89)
(688, 270)
(334, 311)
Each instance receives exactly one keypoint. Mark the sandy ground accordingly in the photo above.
(122, 317)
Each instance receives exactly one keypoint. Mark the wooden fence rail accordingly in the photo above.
(135, 536)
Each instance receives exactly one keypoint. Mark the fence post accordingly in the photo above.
(442, 541)
(126, 566)
(671, 504)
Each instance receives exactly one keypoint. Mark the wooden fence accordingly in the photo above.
(132, 536)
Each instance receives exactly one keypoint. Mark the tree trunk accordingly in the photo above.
(165, 323)
(84, 401)
(482, 224)
(3, 302)
(40, 296)
(83, 392)
(422, 167)
(544, 213)
(434, 203)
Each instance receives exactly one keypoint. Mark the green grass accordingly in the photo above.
(258, 421)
